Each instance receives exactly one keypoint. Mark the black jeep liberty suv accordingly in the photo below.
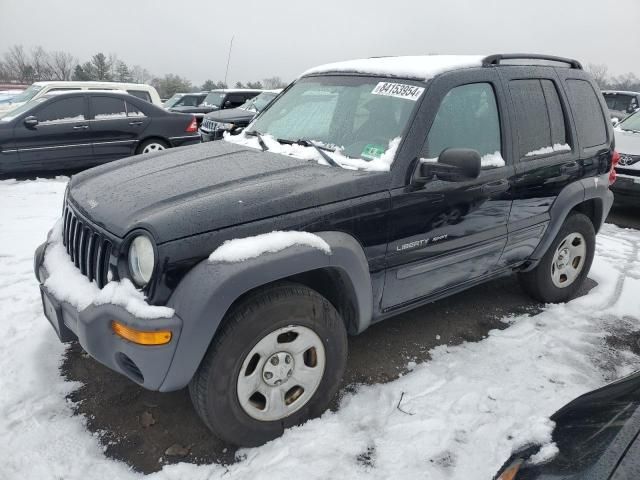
(424, 176)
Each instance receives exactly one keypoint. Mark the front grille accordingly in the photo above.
(88, 249)
(628, 160)
(208, 125)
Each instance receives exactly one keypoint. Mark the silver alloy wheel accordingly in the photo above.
(281, 373)
(153, 147)
(568, 260)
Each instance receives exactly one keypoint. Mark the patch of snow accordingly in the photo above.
(241, 249)
(469, 407)
(422, 67)
(380, 164)
(557, 147)
(66, 283)
(545, 454)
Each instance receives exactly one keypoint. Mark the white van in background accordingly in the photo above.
(38, 89)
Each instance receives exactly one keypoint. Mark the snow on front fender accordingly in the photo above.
(67, 284)
(240, 249)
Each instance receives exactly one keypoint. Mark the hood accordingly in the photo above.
(627, 142)
(206, 187)
(232, 115)
(7, 107)
(198, 109)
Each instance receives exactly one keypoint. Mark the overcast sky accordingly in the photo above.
(284, 37)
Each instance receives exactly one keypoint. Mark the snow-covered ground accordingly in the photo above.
(457, 416)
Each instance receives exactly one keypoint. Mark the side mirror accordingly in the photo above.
(453, 165)
(30, 121)
(227, 104)
(615, 121)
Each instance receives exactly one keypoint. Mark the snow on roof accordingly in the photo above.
(421, 67)
(620, 92)
(237, 90)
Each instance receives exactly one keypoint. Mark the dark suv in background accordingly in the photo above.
(621, 104)
(214, 124)
(366, 189)
(217, 100)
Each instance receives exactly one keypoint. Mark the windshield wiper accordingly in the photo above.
(258, 135)
(309, 143)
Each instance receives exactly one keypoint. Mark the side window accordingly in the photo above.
(540, 120)
(557, 120)
(141, 94)
(236, 100)
(108, 108)
(468, 118)
(133, 111)
(590, 121)
(189, 101)
(66, 110)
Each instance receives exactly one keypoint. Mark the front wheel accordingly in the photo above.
(562, 270)
(276, 361)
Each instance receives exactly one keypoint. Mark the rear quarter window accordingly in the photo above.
(588, 114)
(141, 94)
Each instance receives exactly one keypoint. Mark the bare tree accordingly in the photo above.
(600, 74)
(61, 65)
(273, 83)
(40, 62)
(17, 64)
(628, 81)
(140, 75)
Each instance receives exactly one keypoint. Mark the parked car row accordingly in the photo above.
(199, 104)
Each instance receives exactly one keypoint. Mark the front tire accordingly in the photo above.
(276, 361)
(562, 270)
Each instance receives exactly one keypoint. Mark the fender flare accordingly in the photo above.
(206, 293)
(592, 188)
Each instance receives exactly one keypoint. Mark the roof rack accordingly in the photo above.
(497, 59)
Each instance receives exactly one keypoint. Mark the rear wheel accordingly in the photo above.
(276, 361)
(152, 145)
(562, 270)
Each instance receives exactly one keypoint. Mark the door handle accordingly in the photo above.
(570, 168)
(80, 127)
(496, 187)
(135, 123)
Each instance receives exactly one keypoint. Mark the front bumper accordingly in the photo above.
(210, 135)
(626, 189)
(146, 365)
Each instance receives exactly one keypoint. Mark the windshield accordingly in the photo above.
(360, 118)
(213, 99)
(27, 95)
(11, 114)
(173, 100)
(620, 102)
(631, 123)
(257, 104)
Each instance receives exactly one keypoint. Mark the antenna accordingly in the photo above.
(228, 60)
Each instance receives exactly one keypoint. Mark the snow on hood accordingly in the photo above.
(380, 164)
(423, 67)
(240, 249)
(66, 283)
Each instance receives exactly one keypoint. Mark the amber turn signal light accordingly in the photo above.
(141, 337)
(511, 472)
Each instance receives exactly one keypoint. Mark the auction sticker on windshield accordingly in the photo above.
(399, 90)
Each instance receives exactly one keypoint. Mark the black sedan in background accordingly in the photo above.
(80, 129)
(214, 124)
(597, 438)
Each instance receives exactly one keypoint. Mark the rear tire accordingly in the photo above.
(260, 348)
(152, 145)
(562, 270)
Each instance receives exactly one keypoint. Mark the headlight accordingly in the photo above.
(225, 126)
(141, 260)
